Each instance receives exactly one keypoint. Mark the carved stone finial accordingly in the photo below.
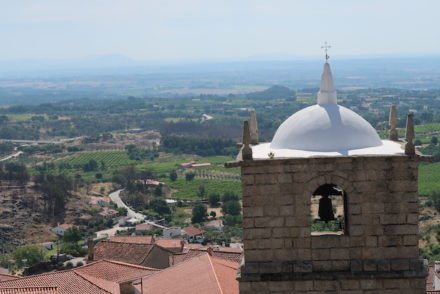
(246, 150)
(393, 134)
(410, 134)
(253, 127)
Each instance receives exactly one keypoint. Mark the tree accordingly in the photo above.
(231, 207)
(173, 175)
(199, 213)
(434, 140)
(28, 255)
(122, 211)
(201, 191)
(92, 165)
(228, 196)
(160, 206)
(72, 234)
(189, 176)
(73, 249)
(214, 199)
(158, 190)
(103, 166)
(232, 220)
(212, 214)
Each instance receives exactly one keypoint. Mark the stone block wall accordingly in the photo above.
(380, 246)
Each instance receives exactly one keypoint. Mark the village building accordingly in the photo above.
(220, 252)
(193, 234)
(61, 229)
(172, 232)
(201, 274)
(173, 245)
(138, 250)
(329, 207)
(101, 277)
(216, 224)
(143, 228)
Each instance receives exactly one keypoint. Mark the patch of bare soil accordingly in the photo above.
(23, 217)
(429, 218)
(21, 207)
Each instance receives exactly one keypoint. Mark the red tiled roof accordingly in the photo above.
(174, 245)
(201, 164)
(134, 253)
(193, 231)
(115, 271)
(67, 282)
(98, 277)
(66, 226)
(152, 182)
(201, 274)
(29, 290)
(5, 277)
(225, 253)
(133, 239)
(143, 227)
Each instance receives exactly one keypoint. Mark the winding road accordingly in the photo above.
(12, 156)
(115, 197)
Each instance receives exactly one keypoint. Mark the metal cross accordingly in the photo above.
(326, 47)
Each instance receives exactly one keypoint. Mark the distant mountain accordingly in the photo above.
(97, 62)
(274, 92)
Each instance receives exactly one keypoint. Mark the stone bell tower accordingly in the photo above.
(367, 241)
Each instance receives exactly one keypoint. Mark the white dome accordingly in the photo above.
(326, 128)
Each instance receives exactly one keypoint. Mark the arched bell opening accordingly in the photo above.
(328, 210)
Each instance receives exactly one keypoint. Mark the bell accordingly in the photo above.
(326, 209)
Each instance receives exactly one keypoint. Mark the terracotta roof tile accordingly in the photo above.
(174, 245)
(5, 277)
(98, 277)
(134, 253)
(143, 227)
(66, 226)
(192, 231)
(115, 271)
(29, 290)
(201, 274)
(133, 239)
(67, 282)
(225, 253)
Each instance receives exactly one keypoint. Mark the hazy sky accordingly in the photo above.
(204, 29)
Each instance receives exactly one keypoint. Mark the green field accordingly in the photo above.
(429, 178)
(110, 158)
(23, 116)
(187, 189)
(421, 132)
(427, 128)
(166, 163)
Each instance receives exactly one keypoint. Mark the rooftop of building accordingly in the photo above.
(103, 276)
(325, 129)
(200, 274)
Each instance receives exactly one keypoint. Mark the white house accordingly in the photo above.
(61, 229)
(170, 233)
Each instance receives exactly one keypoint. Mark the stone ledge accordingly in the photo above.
(327, 159)
(353, 266)
(325, 276)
